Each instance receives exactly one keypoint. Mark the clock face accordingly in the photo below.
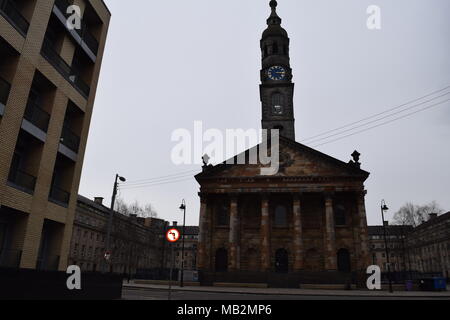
(276, 73)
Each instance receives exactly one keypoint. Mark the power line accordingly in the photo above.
(187, 175)
(156, 184)
(175, 175)
(375, 115)
(384, 123)
(379, 119)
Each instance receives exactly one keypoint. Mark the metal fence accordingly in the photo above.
(67, 71)
(22, 179)
(37, 116)
(70, 139)
(59, 195)
(83, 32)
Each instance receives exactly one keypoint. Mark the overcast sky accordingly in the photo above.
(169, 63)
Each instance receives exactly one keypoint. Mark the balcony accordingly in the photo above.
(66, 71)
(84, 33)
(37, 116)
(70, 139)
(4, 94)
(9, 10)
(22, 180)
(10, 258)
(59, 196)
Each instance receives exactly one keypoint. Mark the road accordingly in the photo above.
(160, 294)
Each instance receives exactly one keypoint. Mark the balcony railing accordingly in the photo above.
(9, 10)
(37, 116)
(23, 180)
(83, 32)
(10, 258)
(5, 87)
(70, 139)
(67, 71)
(60, 196)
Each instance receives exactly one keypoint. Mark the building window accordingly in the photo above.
(339, 215)
(280, 216)
(277, 104)
(223, 218)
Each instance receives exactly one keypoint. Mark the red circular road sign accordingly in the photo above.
(173, 235)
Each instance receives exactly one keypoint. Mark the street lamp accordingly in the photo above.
(111, 214)
(183, 208)
(384, 208)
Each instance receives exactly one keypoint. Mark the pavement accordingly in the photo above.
(290, 292)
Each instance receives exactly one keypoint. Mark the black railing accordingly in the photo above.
(70, 139)
(23, 180)
(67, 71)
(37, 116)
(10, 258)
(5, 87)
(9, 10)
(59, 195)
(83, 32)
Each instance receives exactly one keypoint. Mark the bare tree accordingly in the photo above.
(414, 215)
(146, 211)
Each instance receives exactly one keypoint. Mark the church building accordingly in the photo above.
(304, 225)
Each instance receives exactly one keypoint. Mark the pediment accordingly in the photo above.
(296, 160)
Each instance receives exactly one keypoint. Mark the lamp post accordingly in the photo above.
(384, 208)
(110, 218)
(183, 208)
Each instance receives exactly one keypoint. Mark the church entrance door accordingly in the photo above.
(281, 261)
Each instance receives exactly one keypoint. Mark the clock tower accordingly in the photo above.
(276, 89)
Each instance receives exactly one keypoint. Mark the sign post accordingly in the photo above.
(172, 236)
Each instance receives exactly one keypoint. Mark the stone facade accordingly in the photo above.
(307, 221)
(48, 82)
(137, 243)
(429, 246)
(396, 238)
(310, 217)
(190, 249)
(420, 251)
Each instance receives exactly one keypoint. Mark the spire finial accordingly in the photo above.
(274, 19)
(273, 4)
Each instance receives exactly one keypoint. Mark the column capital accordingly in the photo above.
(329, 195)
(234, 196)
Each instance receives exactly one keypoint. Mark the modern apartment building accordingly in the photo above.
(48, 80)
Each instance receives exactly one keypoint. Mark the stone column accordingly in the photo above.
(265, 234)
(298, 234)
(364, 261)
(234, 233)
(202, 236)
(330, 235)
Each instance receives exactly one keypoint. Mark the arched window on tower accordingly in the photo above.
(277, 103)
